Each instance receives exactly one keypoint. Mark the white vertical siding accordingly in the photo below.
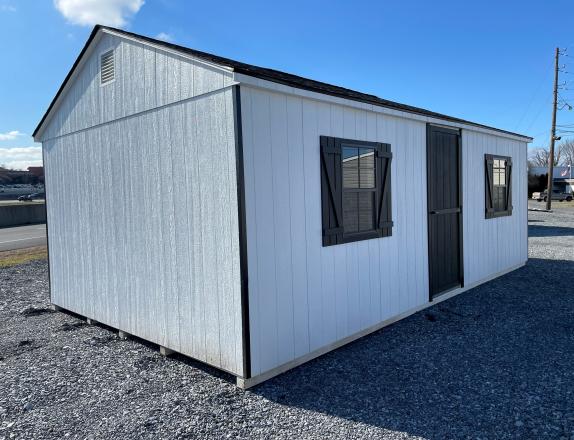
(492, 245)
(145, 78)
(303, 296)
(143, 227)
(143, 211)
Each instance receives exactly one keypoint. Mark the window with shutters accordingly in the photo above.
(498, 186)
(355, 190)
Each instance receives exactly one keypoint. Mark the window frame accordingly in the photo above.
(496, 174)
(376, 232)
(490, 186)
(346, 190)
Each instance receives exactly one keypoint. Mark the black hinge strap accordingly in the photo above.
(386, 178)
(336, 207)
(508, 185)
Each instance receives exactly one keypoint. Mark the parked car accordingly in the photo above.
(31, 197)
(556, 195)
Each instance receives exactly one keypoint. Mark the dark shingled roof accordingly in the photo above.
(274, 76)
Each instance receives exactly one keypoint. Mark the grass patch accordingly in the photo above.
(20, 256)
(17, 203)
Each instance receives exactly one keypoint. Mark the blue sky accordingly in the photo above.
(486, 61)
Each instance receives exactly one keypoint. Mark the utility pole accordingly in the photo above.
(552, 135)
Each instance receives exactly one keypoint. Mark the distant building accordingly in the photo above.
(562, 177)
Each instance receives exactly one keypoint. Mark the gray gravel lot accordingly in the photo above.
(495, 362)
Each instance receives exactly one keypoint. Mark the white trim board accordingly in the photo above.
(251, 382)
(143, 112)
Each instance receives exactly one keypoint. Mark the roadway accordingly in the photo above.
(21, 237)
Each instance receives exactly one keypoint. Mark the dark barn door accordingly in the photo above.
(444, 209)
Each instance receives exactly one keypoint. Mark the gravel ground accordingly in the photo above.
(495, 362)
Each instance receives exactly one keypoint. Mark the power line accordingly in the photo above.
(541, 133)
(548, 100)
(534, 95)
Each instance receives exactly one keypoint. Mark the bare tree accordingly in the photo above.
(566, 149)
(542, 155)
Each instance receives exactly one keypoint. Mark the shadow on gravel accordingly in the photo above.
(549, 231)
(35, 311)
(493, 362)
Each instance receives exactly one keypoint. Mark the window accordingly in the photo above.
(107, 67)
(355, 190)
(498, 193)
(358, 188)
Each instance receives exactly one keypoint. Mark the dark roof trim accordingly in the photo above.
(68, 76)
(276, 77)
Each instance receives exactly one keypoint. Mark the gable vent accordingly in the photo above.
(107, 67)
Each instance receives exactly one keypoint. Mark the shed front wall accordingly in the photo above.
(304, 297)
(143, 227)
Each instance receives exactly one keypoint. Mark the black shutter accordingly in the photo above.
(509, 186)
(488, 199)
(331, 191)
(383, 208)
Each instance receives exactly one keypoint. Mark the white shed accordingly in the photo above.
(253, 219)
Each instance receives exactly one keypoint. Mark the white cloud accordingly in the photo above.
(20, 158)
(165, 37)
(10, 136)
(90, 12)
(7, 8)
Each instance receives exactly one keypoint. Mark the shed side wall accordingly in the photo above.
(492, 245)
(143, 227)
(303, 296)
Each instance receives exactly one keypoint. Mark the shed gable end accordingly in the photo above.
(145, 77)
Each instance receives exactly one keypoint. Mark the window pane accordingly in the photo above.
(350, 153)
(367, 158)
(365, 211)
(367, 178)
(350, 177)
(350, 218)
(499, 198)
(350, 167)
(367, 168)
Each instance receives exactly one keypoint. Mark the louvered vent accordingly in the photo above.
(107, 67)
